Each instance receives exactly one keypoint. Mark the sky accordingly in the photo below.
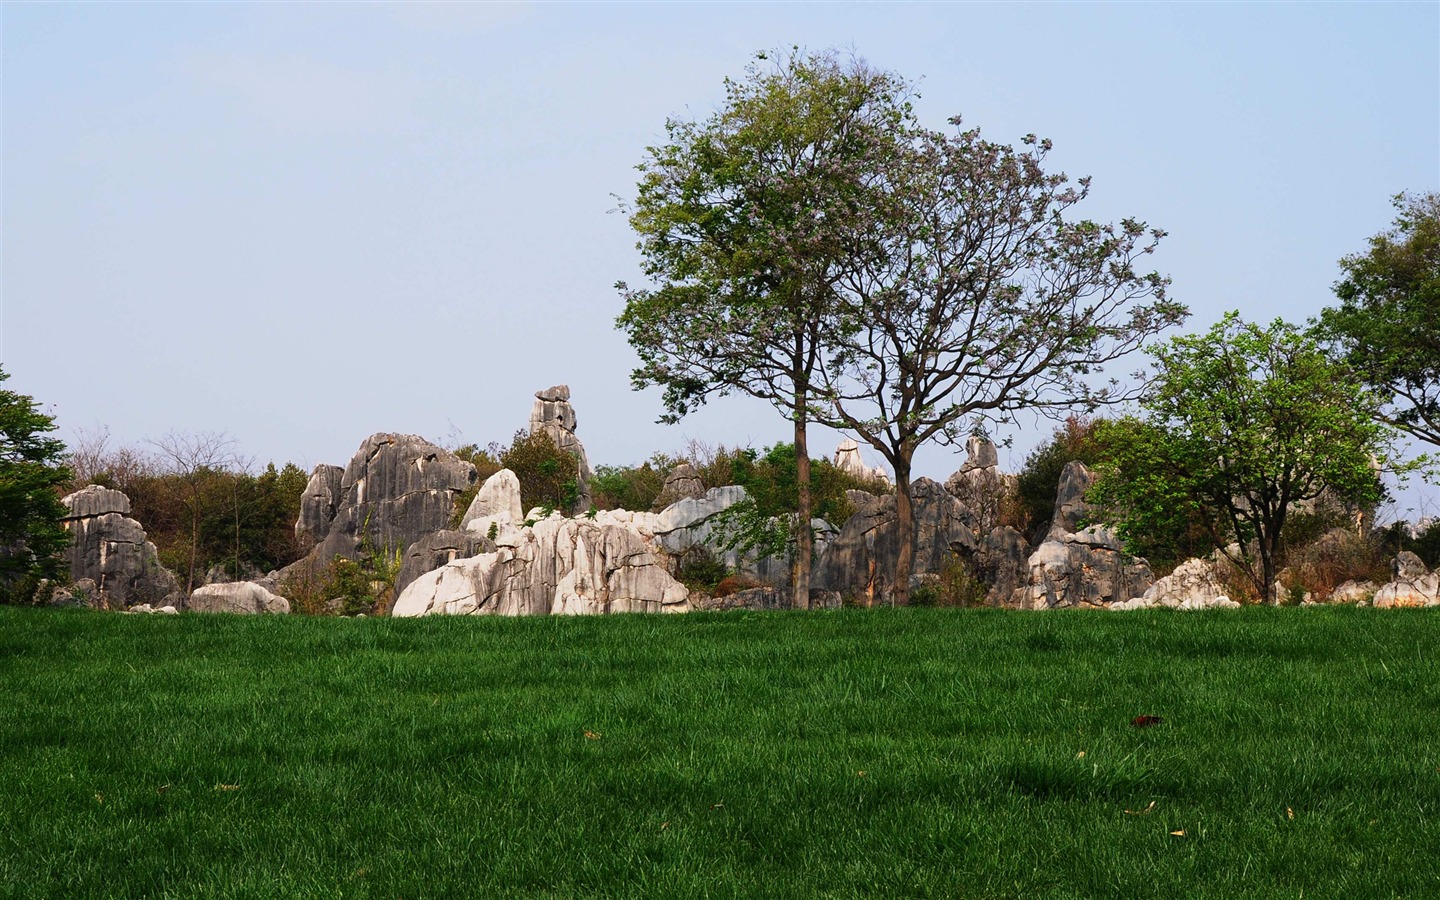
(300, 224)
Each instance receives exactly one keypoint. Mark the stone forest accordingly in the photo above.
(401, 500)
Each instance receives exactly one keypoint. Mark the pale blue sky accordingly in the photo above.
(303, 223)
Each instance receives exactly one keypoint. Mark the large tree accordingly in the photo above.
(1388, 320)
(971, 293)
(740, 218)
(1243, 424)
(31, 473)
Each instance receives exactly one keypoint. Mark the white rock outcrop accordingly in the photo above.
(244, 597)
(847, 459)
(1084, 568)
(557, 566)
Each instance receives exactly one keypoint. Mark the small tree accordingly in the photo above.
(740, 218)
(1243, 423)
(1388, 320)
(970, 295)
(31, 534)
(195, 462)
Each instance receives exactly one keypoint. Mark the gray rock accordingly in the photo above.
(435, 550)
(1002, 561)
(83, 594)
(1193, 581)
(1408, 567)
(319, 504)
(110, 549)
(397, 489)
(94, 500)
(242, 597)
(860, 562)
(1406, 592)
(553, 414)
(1070, 506)
(682, 483)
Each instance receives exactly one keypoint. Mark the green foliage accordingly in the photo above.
(864, 753)
(630, 487)
(548, 476)
(738, 217)
(955, 587)
(1388, 320)
(347, 587)
(1243, 423)
(31, 472)
(700, 570)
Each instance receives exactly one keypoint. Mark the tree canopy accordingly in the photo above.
(31, 474)
(1244, 423)
(1388, 320)
(741, 218)
(973, 293)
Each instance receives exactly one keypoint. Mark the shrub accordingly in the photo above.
(549, 476)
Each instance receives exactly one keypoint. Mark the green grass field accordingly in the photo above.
(884, 753)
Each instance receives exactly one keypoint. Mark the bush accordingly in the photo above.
(346, 587)
(631, 487)
(549, 477)
(955, 586)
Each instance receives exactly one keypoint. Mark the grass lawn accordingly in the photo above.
(883, 753)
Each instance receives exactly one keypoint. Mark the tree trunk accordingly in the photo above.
(804, 538)
(904, 532)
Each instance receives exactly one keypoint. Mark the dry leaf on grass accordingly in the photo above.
(1146, 721)
(227, 787)
(1289, 813)
(593, 735)
(1180, 833)
(1141, 812)
(1080, 755)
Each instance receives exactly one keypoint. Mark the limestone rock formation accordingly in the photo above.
(681, 483)
(319, 504)
(244, 597)
(1002, 561)
(435, 550)
(1070, 506)
(558, 566)
(860, 562)
(847, 459)
(980, 485)
(1195, 584)
(110, 549)
(553, 414)
(1356, 592)
(498, 499)
(1084, 568)
(1414, 585)
(397, 489)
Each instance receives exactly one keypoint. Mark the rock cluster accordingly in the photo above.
(860, 561)
(396, 489)
(557, 566)
(109, 550)
(1195, 584)
(1414, 585)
